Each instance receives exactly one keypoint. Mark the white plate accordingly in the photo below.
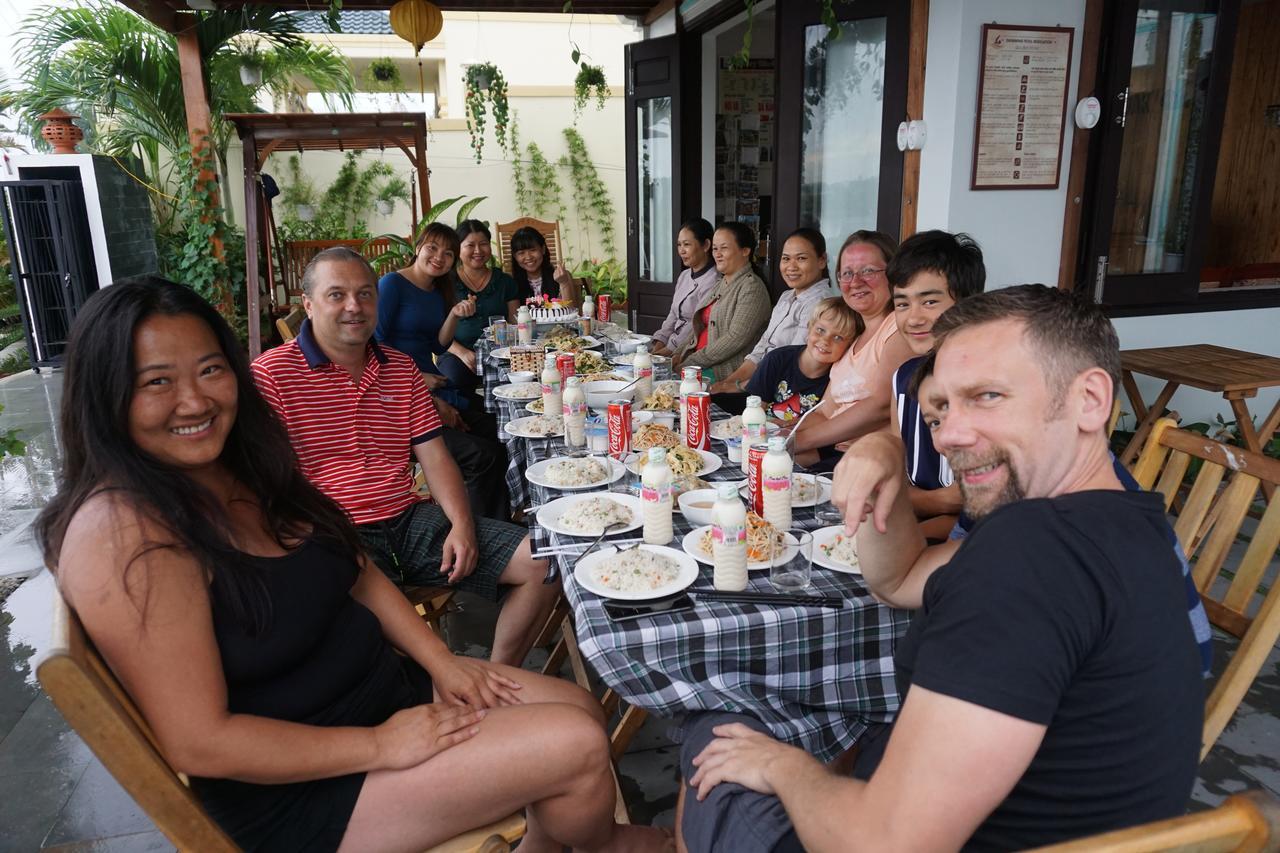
(770, 428)
(592, 342)
(629, 357)
(501, 353)
(583, 573)
(824, 537)
(521, 391)
(551, 512)
(822, 496)
(710, 463)
(519, 427)
(529, 406)
(694, 537)
(536, 474)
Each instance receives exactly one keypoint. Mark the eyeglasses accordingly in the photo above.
(864, 274)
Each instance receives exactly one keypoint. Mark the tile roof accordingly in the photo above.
(359, 22)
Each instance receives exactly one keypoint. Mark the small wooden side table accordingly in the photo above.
(1234, 374)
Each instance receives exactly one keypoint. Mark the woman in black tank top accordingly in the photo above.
(278, 668)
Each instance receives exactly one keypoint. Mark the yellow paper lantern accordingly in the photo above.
(417, 22)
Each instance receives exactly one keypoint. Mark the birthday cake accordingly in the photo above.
(552, 312)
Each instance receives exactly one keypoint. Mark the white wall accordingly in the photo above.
(1021, 230)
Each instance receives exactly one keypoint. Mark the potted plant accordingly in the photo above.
(607, 276)
(383, 75)
(486, 85)
(299, 195)
(251, 63)
(590, 80)
(395, 189)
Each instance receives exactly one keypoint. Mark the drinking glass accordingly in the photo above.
(501, 335)
(628, 483)
(826, 512)
(790, 569)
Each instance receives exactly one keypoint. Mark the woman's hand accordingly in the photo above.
(434, 380)
(660, 349)
(465, 355)
(562, 276)
(449, 416)
(416, 734)
(724, 386)
(465, 308)
(477, 683)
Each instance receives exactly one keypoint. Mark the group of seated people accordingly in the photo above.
(232, 536)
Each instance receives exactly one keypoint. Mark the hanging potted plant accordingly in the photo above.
(590, 80)
(395, 189)
(486, 85)
(383, 75)
(251, 63)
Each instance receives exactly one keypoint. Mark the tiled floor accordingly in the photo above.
(55, 796)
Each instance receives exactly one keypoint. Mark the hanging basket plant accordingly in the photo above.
(383, 75)
(486, 90)
(251, 63)
(590, 81)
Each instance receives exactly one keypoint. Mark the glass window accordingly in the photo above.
(843, 110)
(1163, 128)
(653, 127)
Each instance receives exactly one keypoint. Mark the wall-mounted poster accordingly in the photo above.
(1022, 107)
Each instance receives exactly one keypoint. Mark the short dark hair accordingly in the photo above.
(1068, 333)
(467, 227)
(955, 257)
(885, 245)
(742, 235)
(333, 254)
(700, 228)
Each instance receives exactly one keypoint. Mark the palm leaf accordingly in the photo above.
(464, 212)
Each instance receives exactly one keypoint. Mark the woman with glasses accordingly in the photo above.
(693, 245)
(803, 268)
(493, 289)
(728, 320)
(861, 384)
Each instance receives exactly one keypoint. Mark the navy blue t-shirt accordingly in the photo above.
(409, 319)
(786, 392)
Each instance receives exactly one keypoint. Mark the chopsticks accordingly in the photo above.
(786, 599)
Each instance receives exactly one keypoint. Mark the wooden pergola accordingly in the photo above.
(263, 134)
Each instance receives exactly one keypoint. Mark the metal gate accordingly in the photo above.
(51, 252)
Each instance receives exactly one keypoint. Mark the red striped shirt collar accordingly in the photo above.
(315, 356)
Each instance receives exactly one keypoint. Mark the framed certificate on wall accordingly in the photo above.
(1022, 107)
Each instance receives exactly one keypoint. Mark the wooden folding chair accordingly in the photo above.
(289, 324)
(1207, 526)
(550, 232)
(1247, 822)
(96, 706)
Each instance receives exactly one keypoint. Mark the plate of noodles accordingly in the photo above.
(570, 473)
(636, 574)
(834, 549)
(685, 462)
(589, 515)
(587, 361)
(764, 542)
(654, 435)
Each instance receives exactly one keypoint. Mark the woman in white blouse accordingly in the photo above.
(693, 244)
(803, 267)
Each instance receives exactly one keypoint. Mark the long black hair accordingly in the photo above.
(447, 237)
(530, 238)
(100, 455)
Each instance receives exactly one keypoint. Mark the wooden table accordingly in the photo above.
(1234, 374)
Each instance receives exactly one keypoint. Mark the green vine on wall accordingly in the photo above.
(199, 255)
(589, 192)
(545, 193)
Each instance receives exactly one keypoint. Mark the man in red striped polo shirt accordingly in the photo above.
(355, 412)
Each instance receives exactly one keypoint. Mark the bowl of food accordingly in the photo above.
(696, 505)
(600, 393)
(666, 419)
(631, 343)
(520, 376)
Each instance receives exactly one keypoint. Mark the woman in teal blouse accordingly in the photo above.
(493, 289)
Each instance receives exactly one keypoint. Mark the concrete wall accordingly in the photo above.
(1021, 230)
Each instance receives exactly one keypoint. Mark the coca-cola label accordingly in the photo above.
(777, 484)
(729, 533)
(755, 478)
(619, 423)
(603, 303)
(697, 417)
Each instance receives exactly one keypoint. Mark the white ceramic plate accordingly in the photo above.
(825, 537)
(592, 342)
(719, 434)
(710, 463)
(584, 573)
(551, 512)
(536, 474)
(628, 358)
(518, 391)
(821, 495)
(520, 427)
(534, 406)
(693, 540)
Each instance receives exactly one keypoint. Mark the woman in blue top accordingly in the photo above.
(418, 314)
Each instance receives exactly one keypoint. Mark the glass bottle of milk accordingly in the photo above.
(574, 409)
(551, 387)
(655, 498)
(729, 539)
(524, 326)
(775, 472)
(753, 427)
(642, 369)
(690, 382)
